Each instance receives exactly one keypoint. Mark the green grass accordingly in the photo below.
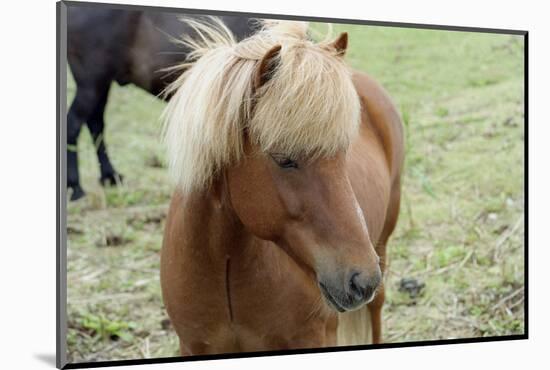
(461, 223)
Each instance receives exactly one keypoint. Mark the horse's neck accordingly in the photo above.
(213, 228)
(224, 274)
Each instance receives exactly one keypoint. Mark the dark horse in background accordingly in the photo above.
(106, 45)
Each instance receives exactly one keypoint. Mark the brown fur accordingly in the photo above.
(228, 289)
(288, 169)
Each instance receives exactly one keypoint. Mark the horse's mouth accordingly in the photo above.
(330, 299)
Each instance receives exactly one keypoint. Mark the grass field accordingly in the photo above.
(461, 227)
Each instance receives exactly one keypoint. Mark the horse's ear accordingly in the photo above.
(340, 44)
(267, 66)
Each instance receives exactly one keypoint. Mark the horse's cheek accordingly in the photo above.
(258, 206)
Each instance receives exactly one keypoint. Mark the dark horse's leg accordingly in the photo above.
(83, 106)
(96, 125)
(78, 111)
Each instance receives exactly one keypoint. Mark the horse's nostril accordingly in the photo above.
(357, 286)
(361, 287)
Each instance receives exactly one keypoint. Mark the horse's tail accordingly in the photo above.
(354, 327)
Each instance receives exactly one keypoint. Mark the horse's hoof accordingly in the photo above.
(77, 193)
(112, 179)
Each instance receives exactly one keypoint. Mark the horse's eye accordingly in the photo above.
(284, 162)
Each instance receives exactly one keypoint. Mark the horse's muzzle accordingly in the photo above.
(358, 289)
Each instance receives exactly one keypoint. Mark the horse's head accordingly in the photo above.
(291, 185)
(309, 208)
(277, 114)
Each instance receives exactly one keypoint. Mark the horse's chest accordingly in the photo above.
(274, 304)
(261, 301)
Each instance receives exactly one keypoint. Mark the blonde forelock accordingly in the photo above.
(308, 107)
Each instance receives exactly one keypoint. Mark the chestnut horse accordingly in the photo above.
(288, 168)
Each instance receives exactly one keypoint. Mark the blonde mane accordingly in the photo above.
(307, 108)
